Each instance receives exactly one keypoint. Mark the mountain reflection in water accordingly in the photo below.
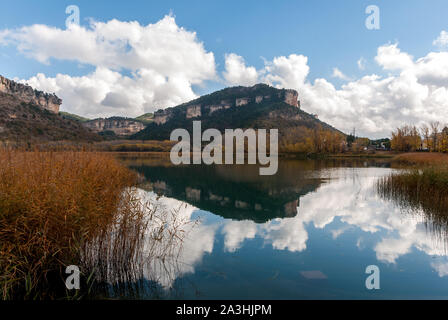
(308, 232)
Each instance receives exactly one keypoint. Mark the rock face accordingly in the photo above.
(242, 102)
(214, 108)
(162, 116)
(291, 97)
(258, 106)
(193, 111)
(22, 123)
(120, 126)
(27, 94)
(243, 97)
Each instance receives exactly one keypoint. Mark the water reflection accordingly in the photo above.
(317, 212)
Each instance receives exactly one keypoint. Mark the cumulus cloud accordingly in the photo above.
(284, 71)
(390, 57)
(138, 68)
(163, 61)
(442, 40)
(414, 91)
(236, 72)
(441, 268)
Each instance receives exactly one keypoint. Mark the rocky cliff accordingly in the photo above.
(27, 94)
(25, 122)
(119, 126)
(241, 96)
(260, 106)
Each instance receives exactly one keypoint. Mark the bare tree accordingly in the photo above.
(424, 132)
(435, 125)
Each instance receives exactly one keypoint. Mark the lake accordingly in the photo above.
(308, 232)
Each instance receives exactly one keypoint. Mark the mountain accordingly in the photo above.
(29, 115)
(112, 127)
(259, 106)
(27, 94)
(28, 122)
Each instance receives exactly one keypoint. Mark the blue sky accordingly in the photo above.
(331, 34)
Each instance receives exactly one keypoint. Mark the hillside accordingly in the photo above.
(114, 127)
(27, 122)
(28, 94)
(146, 118)
(260, 106)
(71, 116)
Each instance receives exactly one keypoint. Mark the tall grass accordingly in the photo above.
(421, 158)
(64, 208)
(420, 188)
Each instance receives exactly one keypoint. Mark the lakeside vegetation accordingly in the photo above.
(75, 208)
(423, 189)
(421, 184)
(421, 159)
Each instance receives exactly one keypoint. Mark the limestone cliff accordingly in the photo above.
(25, 122)
(234, 97)
(119, 126)
(27, 94)
(260, 106)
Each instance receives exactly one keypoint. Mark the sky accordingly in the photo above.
(129, 58)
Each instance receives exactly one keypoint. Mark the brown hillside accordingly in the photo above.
(27, 122)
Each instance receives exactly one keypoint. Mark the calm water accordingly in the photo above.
(308, 232)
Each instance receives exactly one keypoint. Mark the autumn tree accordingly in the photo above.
(405, 139)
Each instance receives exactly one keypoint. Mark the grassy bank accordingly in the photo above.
(72, 208)
(421, 159)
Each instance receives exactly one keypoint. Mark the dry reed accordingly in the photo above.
(81, 208)
(420, 189)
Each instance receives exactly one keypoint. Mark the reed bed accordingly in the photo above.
(421, 158)
(74, 208)
(422, 188)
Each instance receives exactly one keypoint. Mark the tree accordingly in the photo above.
(406, 139)
(444, 140)
(424, 131)
(435, 135)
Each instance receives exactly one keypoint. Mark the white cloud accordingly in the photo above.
(390, 57)
(361, 63)
(441, 268)
(283, 72)
(163, 61)
(236, 72)
(339, 74)
(374, 104)
(141, 68)
(442, 40)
